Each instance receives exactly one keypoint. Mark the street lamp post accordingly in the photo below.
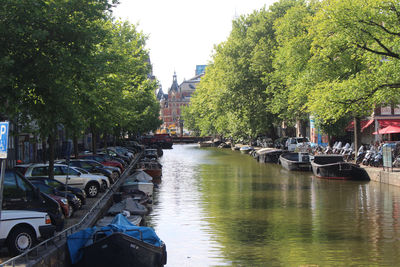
(181, 126)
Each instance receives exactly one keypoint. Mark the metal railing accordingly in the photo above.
(34, 252)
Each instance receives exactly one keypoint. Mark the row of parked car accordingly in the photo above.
(35, 206)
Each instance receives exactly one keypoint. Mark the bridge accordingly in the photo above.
(189, 139)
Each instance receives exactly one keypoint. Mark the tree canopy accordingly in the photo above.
(332, 59)
(70, 63)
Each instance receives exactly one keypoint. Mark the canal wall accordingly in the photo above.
(384, 176)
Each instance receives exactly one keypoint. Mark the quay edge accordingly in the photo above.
(383, 176)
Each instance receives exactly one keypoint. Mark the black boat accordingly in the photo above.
(293, 161)
(334, 167)
(119, 244)
(120, 249)
(269, 155)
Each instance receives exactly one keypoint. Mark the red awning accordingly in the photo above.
(388, 130)
(387, 122)
(364, 125)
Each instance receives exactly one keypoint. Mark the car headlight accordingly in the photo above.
(64, 201)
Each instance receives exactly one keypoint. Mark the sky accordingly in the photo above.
(182, 33)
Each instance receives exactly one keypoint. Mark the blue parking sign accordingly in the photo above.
(3, 139)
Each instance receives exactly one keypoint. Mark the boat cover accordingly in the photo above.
(120, 223)
(128, 204)
(139, 176)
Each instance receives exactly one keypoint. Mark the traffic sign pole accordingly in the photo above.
(3, 157)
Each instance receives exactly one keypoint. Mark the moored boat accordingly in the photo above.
(106, 220)
(151, 153)
(152, 168)
(271, 155)
(295, 161)
(119, 244)
(139, 180)
(246, 149)
(206, 144)
(128, 204)
(334, 167)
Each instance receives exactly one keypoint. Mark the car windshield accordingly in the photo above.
(302, 139)
(54, 183)
(81, 170)
(94, 163)
(44, 188)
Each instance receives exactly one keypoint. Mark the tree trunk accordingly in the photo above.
(94, 145)
(44, 148)
(51, 141)
(105, 139)
(357, 134)
(75, 140)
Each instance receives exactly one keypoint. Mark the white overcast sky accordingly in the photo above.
(182, 33)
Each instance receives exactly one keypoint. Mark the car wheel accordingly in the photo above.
(70, 211)
(79, 206)
(104, 186)
(20, 240)
(92, 189)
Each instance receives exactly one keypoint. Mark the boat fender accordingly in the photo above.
(318, 171)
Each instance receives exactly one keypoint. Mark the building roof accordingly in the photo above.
(174, 86)
(160, 94)
(190, 85)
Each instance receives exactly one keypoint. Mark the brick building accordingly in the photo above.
(178, 97)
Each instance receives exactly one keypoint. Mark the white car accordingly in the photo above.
(20, 229)
(92, 184)
(84, 173)
(297, 142)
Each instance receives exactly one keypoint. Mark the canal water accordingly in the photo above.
(217, 207)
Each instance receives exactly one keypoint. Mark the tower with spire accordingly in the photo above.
(177, 98)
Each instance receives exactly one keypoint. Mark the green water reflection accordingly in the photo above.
(219, 207)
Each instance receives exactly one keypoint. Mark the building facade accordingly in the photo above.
(175, 100)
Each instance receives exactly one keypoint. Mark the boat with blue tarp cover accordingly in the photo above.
(119, 244)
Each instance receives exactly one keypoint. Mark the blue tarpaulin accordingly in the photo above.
(120, 224)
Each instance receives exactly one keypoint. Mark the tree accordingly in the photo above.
(231, 97)
(45, 47)
(291, 80)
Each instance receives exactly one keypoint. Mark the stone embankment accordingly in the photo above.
(391, 176)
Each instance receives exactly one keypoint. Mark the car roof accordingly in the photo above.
(39, 165)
